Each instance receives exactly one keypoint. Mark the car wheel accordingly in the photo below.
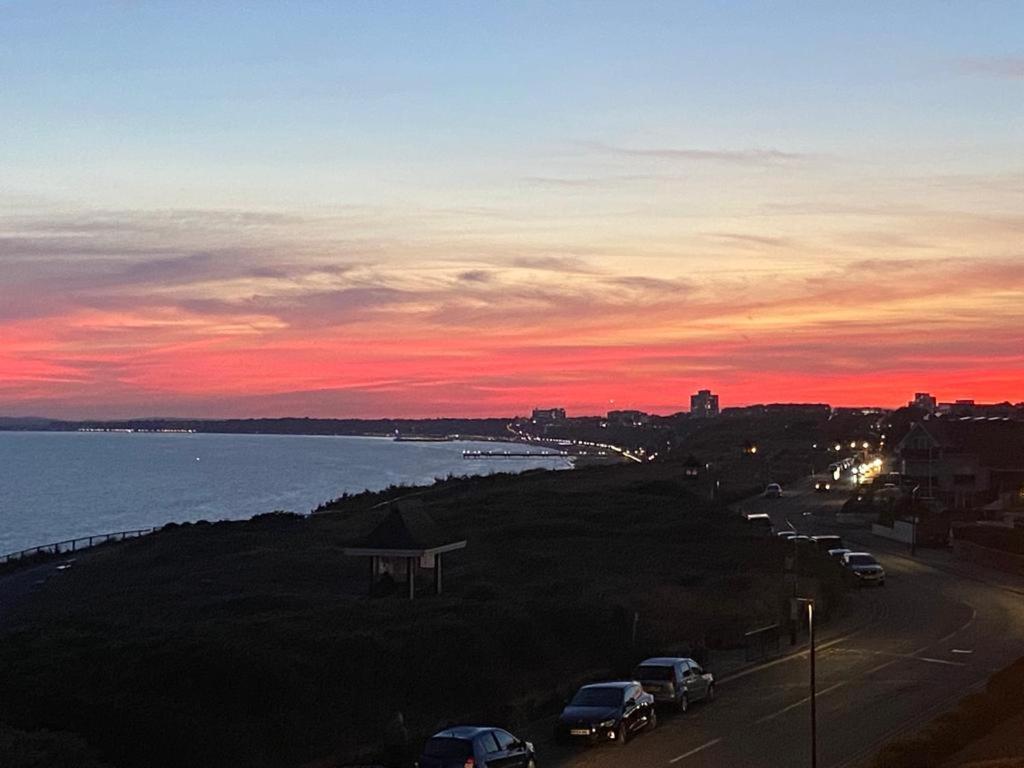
(622, 736)
(652, 720)
(684, 704)
(711, 692)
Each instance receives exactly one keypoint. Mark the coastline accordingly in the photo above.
(65, 485)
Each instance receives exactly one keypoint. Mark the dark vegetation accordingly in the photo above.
(976, 715)
(1004, 539)
(45, 749)
(252, 643)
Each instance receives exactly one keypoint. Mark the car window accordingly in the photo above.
(597, 697)
(448, 747)
(861, 560)
(489, 743)
(505, 739)
(652, 672)
(696, 669)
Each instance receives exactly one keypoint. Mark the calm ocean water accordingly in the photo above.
(59, 485)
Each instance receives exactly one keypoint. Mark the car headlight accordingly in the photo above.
(606, 724)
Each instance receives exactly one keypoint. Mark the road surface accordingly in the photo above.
(935, 632)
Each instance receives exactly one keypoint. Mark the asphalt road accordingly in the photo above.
(935, 632)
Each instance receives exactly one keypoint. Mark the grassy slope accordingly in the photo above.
(250, 643)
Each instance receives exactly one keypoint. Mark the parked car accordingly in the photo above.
(823, 486)
(773, 491)
(471, 746)
(837, 554)
(607, 712)
(864, 568)
(787, 535)
(675, 681)
(825, 543)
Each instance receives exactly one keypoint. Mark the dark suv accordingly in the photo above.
(471, 746)
(607, 712)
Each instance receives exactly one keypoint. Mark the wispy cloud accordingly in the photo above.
(119, 309)
(754, 156)
(741, 237)
(1010, 67)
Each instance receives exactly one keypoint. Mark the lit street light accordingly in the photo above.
(809, 602)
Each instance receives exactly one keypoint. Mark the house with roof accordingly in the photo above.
(964, 463)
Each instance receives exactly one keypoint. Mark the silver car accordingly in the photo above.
(676, 681)
(864, 568)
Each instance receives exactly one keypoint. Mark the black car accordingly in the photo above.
(607, 712)
(471, 746)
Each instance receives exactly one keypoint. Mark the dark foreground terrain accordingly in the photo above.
(253, 644)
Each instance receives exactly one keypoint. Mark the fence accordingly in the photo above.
(761, 643)
(75, 545)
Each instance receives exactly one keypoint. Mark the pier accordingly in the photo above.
(515, 455)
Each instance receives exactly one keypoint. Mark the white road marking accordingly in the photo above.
(692, 752)
(896, 656)
(800, 703)
(955, 632)
(941, 661)
(788, 657)
(961, 650)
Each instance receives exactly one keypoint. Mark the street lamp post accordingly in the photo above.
(916, 518)
(814, 706)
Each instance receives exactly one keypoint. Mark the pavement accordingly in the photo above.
(906, 652)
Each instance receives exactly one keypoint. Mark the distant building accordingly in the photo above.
(964, 462)
(924, 401)
(628, 418)
(703, 405)
(548, 415)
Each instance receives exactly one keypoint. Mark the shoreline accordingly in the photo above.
(185, 478)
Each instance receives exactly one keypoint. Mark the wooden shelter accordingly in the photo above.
(407, 540)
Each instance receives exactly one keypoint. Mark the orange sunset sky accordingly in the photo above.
(362, 211)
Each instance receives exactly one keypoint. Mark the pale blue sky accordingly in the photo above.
(114, 102)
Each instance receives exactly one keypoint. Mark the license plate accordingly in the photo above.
(580, 731)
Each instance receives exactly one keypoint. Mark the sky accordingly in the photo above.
(366, 209)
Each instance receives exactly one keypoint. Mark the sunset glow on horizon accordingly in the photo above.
(364, 210)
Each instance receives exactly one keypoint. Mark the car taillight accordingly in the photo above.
(470, 763)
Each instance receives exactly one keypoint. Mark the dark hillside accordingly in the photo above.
(251, 643)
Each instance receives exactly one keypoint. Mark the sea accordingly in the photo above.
(56, 486)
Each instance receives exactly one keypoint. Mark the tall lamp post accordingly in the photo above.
(809, 602)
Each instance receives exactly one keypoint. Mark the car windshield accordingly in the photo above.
(862, 560)
(597, 697)
(652, 672)
(447, 747)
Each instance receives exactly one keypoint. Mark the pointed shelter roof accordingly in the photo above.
(405, 532)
